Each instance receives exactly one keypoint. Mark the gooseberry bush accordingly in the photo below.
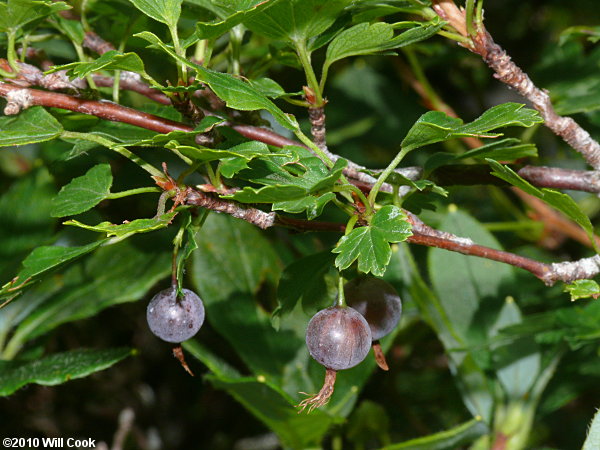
(316, 179)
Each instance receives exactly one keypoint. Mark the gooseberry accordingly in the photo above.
(175, 319)
(381, 306)
(338, 338)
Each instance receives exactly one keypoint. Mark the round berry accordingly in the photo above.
(175, 319)
(338, 337)
(377, 301)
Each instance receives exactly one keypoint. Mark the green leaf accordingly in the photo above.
(236, 93)
(165, 11)
(558, 200)
(83, 192)
(450, 439)
(313, 205)
(463, 283)
(469, 377)
(270, 405)
(57, 368)
(288, 178)
(113, 274)
(436, 126)
(370, 245)
(127, 229)
(14, 14)
(304, 279)
(517, 363)
(22, 228)
(296, 20)
(228, 274)
(43, 259)
(246, 151)
(267, 194)
(583, 289)
(509, 149)
(592, 441)
(210, 30)
(470, 292)
(373, 38)
(111, 60)
(31, 126)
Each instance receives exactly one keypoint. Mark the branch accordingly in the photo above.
(512, 75)
(422, 235)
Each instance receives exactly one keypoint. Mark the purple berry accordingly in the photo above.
(377, 301)
(338, 338)
(175, 319)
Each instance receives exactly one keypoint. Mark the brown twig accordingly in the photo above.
(422, 235)
(20, 98)
(513, 76)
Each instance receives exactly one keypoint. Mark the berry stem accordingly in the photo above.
(380, 356)
(320, 399)
(341, 300)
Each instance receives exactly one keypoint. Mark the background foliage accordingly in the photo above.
(483, 348)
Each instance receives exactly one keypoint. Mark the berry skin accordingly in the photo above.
(377, 301)
(338, 338)
(175, 319)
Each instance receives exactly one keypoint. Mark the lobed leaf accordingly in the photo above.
(436, 126)
(370, 245)
(583, 289)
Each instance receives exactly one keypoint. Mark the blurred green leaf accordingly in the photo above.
(83, 192)
(269, 404)
(470, 378)
(583, 289)
(41, 260)
(32, 125)
(436, 126)
(25, 221)
(14, 14)
(112, 275)
(304, 279)
(517, 363)
(57, 368)
(127, 229)
(449, 439)
(370, 245)
(557, 200)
